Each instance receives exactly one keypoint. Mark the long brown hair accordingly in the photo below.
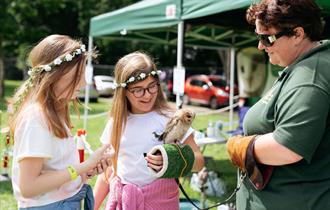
(128, 66)
(42, 92)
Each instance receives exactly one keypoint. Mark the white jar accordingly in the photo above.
(210, 131)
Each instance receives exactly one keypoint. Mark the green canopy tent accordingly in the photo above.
(203, 23)
(156, 21)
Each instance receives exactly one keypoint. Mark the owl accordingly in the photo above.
(251, 72)
(177, 126)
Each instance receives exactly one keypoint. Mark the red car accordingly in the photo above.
(210, 90)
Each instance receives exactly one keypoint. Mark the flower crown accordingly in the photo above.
(139, 77)
(33, 72)
(67, 58)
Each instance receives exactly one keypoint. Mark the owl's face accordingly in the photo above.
(185, 115)
(251, 72)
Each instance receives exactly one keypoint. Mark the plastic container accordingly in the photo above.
(210, 130)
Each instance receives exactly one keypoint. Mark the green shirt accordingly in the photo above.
(296, 110)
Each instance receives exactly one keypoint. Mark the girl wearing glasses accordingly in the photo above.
(284, 155)
(139, 109)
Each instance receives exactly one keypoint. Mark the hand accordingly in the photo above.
(100, 168)
(155, 161)
(99, 160)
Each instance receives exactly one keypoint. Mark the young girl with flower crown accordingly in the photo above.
(139, 111)
(46, 173)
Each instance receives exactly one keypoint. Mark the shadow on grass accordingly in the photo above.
(225, 170)
(6, 188)
(7, 200)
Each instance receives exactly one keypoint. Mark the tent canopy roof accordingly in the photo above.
(208, 23)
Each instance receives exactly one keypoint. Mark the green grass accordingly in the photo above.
(218, 160)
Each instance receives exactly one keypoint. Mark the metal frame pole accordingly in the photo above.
(179, 58)
(231, 93)
(89, 78)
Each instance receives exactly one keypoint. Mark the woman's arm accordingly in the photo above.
(268, 151)
(199, 159)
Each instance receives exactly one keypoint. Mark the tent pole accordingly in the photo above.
(231, 93)
(88, 78)
(179, 59)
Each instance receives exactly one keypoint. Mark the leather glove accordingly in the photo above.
(241, 153)
(237, 147)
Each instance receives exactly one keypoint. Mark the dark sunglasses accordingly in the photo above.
(268, 40)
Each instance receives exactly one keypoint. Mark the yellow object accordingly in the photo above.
(73, 173)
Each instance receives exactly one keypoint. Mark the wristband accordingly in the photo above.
(73, 173)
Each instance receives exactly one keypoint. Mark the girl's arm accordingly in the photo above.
(100, 190)
(33, 181)
(199, 159)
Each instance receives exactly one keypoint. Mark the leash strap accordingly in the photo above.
(242, 176)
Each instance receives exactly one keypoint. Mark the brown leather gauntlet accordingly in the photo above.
(241, 153)
(237, 147)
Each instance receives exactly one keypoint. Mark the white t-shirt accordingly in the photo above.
(138, 138)
(33, 139)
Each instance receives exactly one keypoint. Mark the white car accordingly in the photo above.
(104, 85)
(93, 94)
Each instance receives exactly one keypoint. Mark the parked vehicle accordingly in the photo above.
(166, 79)
(211, 90)
(104, 85)
(93, 94)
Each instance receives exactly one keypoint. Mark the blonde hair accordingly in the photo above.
(130, 65)
(55, 111)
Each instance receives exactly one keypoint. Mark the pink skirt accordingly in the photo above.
(162, 194)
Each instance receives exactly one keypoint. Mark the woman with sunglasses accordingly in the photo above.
(138, 111)
(284, 157)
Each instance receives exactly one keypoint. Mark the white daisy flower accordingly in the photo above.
(68, 57)
(78, 51)
(142, 75)
(47, 67)
(57, 61)
(131, 79)
(83, 48)
(123, 85)
(114, 85)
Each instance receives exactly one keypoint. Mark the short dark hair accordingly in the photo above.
(288, 14)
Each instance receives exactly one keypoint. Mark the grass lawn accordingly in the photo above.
(218, 162)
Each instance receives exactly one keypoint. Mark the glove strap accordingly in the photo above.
(259, 174)
(183, 158)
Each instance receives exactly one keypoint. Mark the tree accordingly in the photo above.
(25, 22)
(6, 30)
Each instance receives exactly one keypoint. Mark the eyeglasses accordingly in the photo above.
(268, 40)
(139, 92)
